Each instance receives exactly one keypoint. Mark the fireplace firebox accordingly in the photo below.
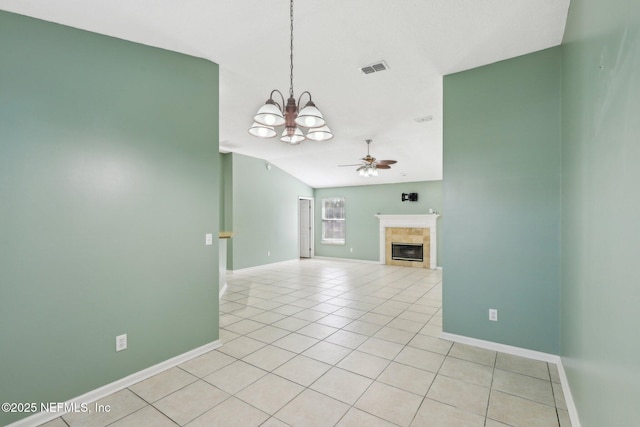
(407, 251)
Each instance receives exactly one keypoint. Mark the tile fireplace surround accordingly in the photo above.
(410, 221)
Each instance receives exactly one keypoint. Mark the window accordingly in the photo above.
(333, 221)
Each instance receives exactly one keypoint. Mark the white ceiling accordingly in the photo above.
(420, 40)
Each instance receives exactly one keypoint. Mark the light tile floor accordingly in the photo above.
(333, 343)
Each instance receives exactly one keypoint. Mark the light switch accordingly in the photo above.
(208, 239)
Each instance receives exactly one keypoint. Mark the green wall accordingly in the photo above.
(222, 190)
(226, 163)
(264, 213)
(502, 201)
(362, 203)
(108, 184)
(226, 200)
(600, 210)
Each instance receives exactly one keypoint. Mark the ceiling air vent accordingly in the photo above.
(374, 68)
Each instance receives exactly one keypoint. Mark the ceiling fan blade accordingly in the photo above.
(379, 166)
(387, 162)
(357, 164)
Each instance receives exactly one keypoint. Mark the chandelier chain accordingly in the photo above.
(291, 49)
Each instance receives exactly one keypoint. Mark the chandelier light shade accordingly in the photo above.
(272, 114)
(262, 131)
(269, 115)
(294, 139)
(320, 134)
(310, 116)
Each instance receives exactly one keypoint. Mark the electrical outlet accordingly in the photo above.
(208, 239)
(268, 253)
(351, 250)
(493, 314)
(121, 342)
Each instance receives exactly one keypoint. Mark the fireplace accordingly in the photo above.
(407, 251)
(409, 229)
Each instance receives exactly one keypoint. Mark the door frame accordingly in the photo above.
(311, 224)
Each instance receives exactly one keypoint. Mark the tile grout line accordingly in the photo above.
(385, 290)
(369, 336)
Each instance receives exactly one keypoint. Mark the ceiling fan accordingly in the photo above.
(371, 164)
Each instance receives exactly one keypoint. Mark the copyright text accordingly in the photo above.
(53, 407)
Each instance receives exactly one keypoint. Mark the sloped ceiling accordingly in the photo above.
(420, 40)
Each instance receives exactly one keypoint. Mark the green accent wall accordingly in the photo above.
(502, 201)
(263, 211)
(600, 210)
(226, 208)
(366, 201)
(109, 181)
(227, 212)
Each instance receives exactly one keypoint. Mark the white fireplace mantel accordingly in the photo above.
(411, 221)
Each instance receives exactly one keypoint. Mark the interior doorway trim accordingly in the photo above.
(310, 238)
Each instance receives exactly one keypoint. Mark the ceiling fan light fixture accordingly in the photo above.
(322, 133)
(371, 164)
(262, 131)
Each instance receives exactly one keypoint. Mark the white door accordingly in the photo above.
(306, 228)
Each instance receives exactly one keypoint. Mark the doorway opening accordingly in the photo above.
(305, 229)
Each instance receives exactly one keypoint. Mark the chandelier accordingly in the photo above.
(272, 114)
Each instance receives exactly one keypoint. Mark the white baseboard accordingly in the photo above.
(490, 345)
(568, 397)
(328, 258)
(255, 267)
(530, 354)
(99, 393)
